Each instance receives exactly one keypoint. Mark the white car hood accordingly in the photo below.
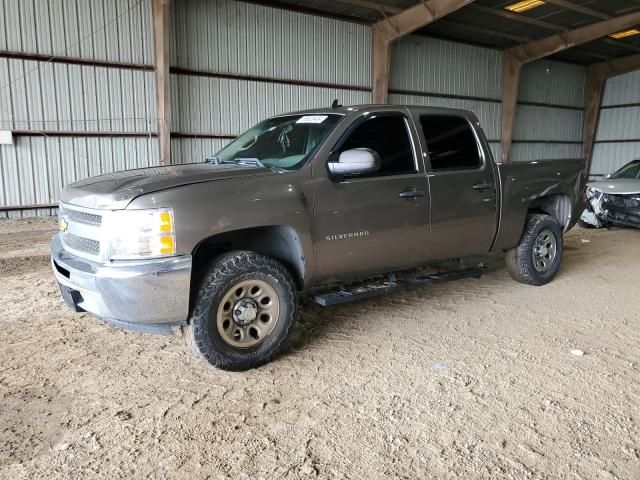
(622, 186)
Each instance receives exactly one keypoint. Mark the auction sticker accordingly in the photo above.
(312, 119)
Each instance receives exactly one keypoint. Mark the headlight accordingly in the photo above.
(136, 234)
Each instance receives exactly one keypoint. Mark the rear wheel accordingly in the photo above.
(244, 311)
(536, 259)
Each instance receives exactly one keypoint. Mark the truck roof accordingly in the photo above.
(348, 109)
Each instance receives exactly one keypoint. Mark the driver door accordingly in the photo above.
(377, 222)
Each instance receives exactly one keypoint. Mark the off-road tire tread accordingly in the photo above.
(224, 268)
(518, 260)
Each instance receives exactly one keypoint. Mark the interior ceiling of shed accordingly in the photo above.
(488, 23)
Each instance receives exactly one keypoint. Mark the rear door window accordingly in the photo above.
(451, 143)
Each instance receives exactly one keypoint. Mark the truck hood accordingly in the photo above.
(622, 186)
(114, 191)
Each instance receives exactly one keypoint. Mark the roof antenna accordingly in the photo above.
(335, 104)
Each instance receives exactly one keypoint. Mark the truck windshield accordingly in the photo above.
(280, 142)
(630, 170)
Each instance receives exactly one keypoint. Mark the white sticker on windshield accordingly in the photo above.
(312, 119)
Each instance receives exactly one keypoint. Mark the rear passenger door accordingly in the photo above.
(463, 187)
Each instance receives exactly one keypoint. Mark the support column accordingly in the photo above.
(390, 29)
(593, 99)
(381, 66)
(161, 11)
(510, 80)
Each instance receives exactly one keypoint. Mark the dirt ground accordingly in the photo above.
(469, 379)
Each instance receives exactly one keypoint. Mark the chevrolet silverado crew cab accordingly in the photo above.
(220, 249)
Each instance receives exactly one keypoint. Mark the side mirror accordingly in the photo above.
(357, 161)
(608, 176)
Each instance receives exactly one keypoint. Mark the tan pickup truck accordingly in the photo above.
(220, 249)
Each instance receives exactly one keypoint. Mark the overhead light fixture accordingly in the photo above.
(524, 5)
(625, 33)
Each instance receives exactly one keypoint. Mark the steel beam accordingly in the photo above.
(161, 11)
(381, 67)
(564, 40)
(619, 66)
(593, 99)
(517, 56)
(510, 82)
(391, 28)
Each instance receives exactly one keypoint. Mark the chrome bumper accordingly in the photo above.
(142, 295)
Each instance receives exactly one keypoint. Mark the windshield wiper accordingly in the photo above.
(245, 161)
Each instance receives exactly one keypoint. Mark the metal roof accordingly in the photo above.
(487, 23)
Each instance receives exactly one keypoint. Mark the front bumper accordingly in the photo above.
(148, 295)
(628, 217)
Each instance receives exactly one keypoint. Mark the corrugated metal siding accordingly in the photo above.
(557, 83)
(548, 124)
(35, 169)
(42, 96)
(55, 96)
(439, 67)
(195, 150)
(496, 150)
(523, 152)
(609, 157)
(429, 65)
(228, 106)
(436, 66)
(248, 39)
(240, 38)
(622, 89)
(65, 27)
(553, 83)
(619, 123)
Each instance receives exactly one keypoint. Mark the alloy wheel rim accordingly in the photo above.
(544, 251)
(247, 313)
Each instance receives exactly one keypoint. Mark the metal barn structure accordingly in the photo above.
(94, 86)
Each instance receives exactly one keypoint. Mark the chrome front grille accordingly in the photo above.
(82, 217)
(81, 231)
(84, 245)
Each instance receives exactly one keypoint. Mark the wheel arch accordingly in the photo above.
(557, 205)
(280, 242)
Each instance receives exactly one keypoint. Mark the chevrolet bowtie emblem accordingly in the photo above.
(63, 225)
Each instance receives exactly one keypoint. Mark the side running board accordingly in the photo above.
(394, 285)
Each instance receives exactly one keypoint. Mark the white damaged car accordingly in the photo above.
(614, 200)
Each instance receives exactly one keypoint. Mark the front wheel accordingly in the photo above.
(244, 312)
(536, 259)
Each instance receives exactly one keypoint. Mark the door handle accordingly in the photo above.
(411, 193)
(484, 186)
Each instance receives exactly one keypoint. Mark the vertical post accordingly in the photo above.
(381, 66)
(593, 99)
(161, 11)
(510, 79)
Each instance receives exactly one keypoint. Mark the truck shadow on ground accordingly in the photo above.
(313, 321)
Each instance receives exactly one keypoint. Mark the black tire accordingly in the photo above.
(520, 261)
(228, 270)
